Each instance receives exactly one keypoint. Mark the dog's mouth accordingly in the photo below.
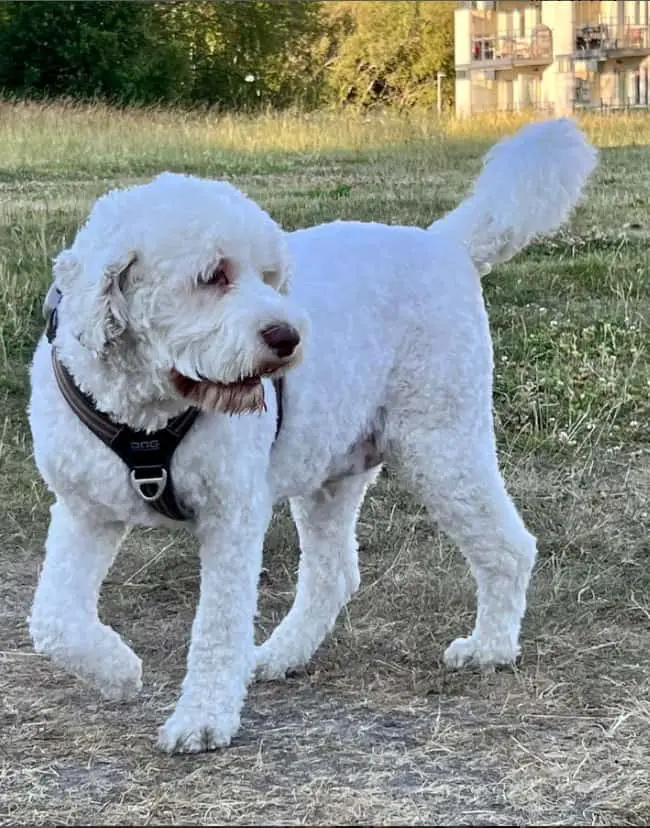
(245, 395)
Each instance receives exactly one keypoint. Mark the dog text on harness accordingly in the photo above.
(145, 445)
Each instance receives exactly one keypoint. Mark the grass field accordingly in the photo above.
(376, 731)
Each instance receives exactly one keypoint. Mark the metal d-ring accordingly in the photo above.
(159, 482)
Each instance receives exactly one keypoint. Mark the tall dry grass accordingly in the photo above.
(61, 137)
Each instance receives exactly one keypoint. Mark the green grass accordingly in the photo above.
(376, 731)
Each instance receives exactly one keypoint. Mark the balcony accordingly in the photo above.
(624, 89)
(504, 51)
(603, 40)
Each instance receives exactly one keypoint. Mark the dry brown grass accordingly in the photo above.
(376, 731)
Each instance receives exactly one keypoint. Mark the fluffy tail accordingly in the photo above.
(528, 186)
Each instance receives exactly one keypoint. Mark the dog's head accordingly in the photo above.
(183, 282)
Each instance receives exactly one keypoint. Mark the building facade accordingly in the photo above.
(559, 55)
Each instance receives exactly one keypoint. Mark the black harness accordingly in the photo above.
(147, 455)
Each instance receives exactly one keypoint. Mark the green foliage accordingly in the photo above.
(390, 52)
(136, 51)
(245, 54)
(87, 49)
(237, 55)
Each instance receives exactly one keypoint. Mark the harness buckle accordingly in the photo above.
(157, 480)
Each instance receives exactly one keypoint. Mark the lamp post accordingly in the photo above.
(439, 78)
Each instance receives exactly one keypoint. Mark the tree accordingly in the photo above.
(389, 52)
(236, 54)
(87, 49)
(244, 54)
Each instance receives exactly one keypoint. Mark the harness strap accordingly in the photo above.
(148, 456)
(278, 387)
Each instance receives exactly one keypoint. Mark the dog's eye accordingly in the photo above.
(218, 276)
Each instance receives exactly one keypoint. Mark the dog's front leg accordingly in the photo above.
(221, 655)
(64, 623)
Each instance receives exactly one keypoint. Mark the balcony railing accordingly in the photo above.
(509, 49)
(588, 93)
(607, 37)
(611, 105)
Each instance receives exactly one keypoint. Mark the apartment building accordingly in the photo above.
(560, 55)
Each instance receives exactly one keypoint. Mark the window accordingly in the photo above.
(582, 91)
(529, 91)
(587, 12)
(515, 22)
(505, 96)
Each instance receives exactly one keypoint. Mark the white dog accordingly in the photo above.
(173, 294)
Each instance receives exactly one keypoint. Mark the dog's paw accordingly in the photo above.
(270, 665)
(188, 731)
(479, 653)
(93, 652)
(124, 680)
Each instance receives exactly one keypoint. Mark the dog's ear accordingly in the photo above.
(103, 304)
(109, 313)
(98, 303)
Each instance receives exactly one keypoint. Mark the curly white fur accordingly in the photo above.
(397, 368)
(528, 186)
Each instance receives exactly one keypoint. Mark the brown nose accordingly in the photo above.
(281, 339)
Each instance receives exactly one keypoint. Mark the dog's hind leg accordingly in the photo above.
(64, 623)
(454, 473)
(328, 573)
